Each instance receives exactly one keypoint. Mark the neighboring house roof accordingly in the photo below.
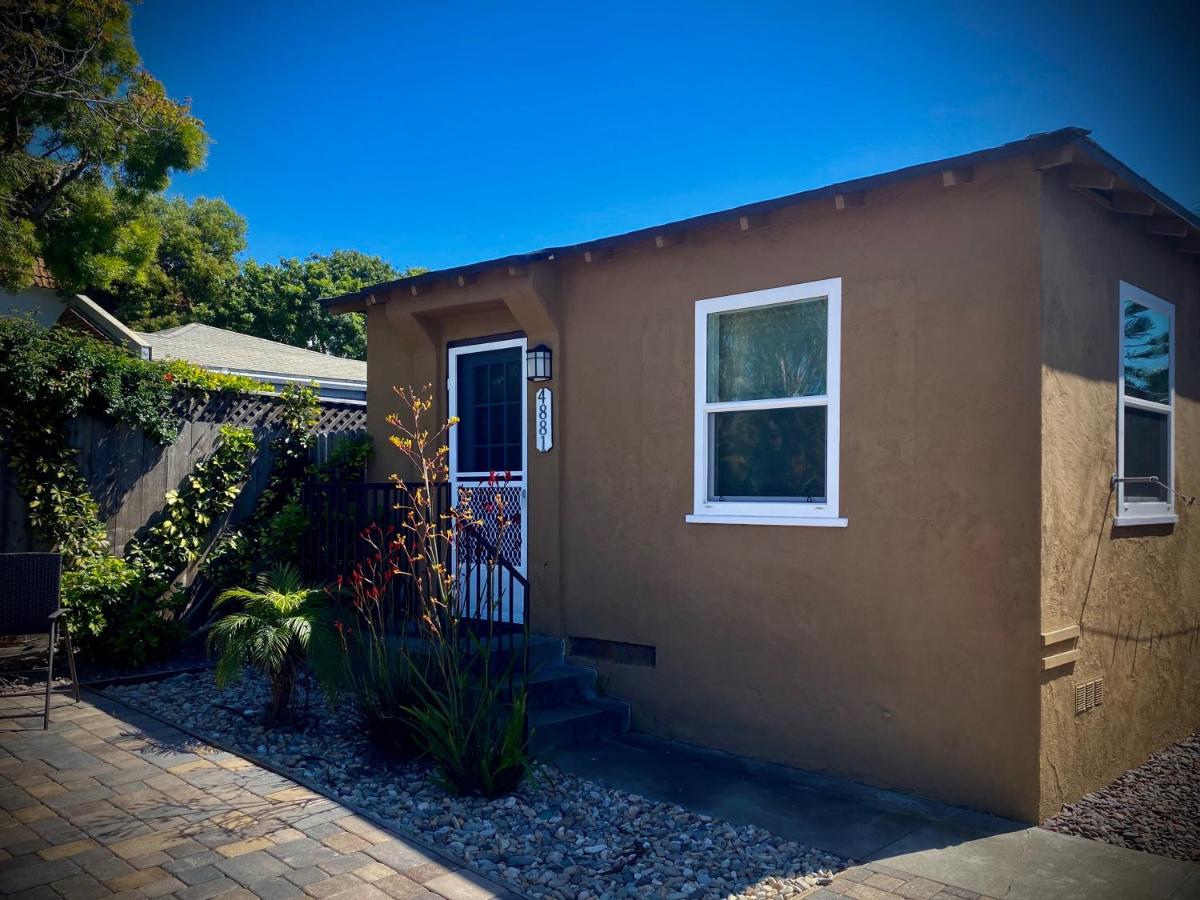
(41, 275)
(42, 302)
(106, 323)
(229, 351)
(1070, 140)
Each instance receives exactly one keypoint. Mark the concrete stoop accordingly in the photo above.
(564, 707)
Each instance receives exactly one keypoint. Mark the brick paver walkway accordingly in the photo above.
(872, 881)
(111, 803)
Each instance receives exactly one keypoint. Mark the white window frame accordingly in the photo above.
(1143, 512)
(740, 512)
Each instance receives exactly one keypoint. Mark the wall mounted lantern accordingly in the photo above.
(537, 363)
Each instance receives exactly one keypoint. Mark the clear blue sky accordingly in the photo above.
(439, 133)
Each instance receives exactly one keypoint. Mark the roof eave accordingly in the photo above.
(359, 301)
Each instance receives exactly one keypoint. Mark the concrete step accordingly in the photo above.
(583, 721)
(544, 651)
(555, 685)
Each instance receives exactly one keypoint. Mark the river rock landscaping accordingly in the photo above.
(1155, 807)
(557, 836)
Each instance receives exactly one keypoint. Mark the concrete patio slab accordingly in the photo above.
(778, 799)
(1032, 863)
(926, 848)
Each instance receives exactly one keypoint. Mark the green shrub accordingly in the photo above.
(183, 374)
(283, 533)
(472, 734)
(143, 631)
(62, 511)
(113, 618)
(348, 459)
(95, 592)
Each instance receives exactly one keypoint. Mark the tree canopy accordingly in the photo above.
(86, 134)
(194, 268)
(280, 301)
(88, 142)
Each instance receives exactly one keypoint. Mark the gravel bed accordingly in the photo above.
(1155, 807)
(558, 836)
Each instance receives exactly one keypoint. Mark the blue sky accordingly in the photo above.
(441, 133)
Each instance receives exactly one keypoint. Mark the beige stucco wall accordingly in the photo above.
(1135, 592)
(902, 649)
(886, 650)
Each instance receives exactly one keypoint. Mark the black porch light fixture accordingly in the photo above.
(537, 363)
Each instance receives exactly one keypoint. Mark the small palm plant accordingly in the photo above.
(280, 626)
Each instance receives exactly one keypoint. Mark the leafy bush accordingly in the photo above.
(280, 626)
(126, 612)
(184, 374)
(348, 460)
(62, 511)
(477, 741)
(142, 631)
(283, 533)
(95, 592)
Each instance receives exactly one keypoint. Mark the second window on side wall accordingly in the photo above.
(767, 405)
(1146, 404)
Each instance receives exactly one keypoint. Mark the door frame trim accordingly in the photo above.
(483, 345)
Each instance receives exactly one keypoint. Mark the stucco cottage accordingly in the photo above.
(887, 479)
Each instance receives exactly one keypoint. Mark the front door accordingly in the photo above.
(487, 394)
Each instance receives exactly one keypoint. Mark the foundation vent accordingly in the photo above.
(612, 651)
(1089, 695)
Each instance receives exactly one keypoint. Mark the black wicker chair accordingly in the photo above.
(30, 608)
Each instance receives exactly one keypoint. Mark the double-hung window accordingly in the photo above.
(1145, 409)
(768, 367)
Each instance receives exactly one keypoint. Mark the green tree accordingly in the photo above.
(281, 302)
(85, 135)
(194, 267)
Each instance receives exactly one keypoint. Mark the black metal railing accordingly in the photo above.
(494, 599)
(340, 513)
(348, 523)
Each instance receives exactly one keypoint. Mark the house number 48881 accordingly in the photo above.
(543, 410)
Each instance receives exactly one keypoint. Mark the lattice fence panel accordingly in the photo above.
(264, 411)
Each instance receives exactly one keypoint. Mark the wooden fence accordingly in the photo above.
(130, 474)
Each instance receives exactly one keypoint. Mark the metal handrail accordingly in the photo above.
(340, 513)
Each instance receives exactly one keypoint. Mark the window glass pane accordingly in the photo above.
(770, 454)
(1146, 453)
(768, 352)
(1147, 353)
(488, 405)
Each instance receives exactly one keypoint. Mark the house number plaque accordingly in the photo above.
(543, 409)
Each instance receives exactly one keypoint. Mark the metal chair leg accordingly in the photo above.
(50, 674)
(71, 661)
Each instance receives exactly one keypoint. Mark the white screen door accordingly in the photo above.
(487, 394)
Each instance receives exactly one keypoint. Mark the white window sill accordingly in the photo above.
(714, 519)
(1162, 519)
